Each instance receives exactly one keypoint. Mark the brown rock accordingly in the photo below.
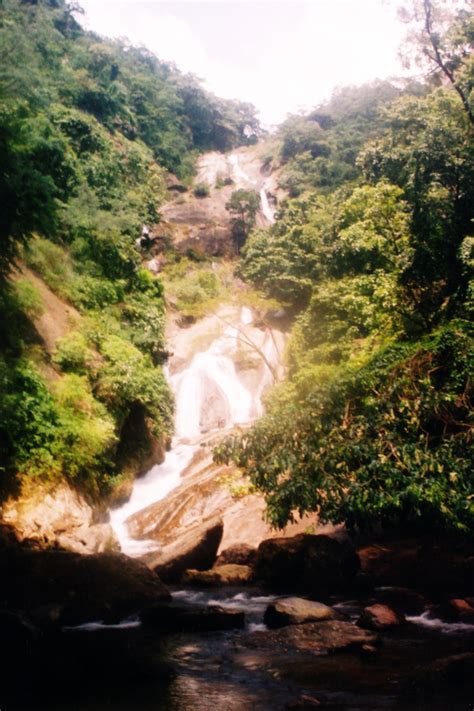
(108, 586)
(196, 548)
(459, 610)
(314, 637)
(429, 565)
(60, 517)
(220, 575)
(378, 617)
(316, 564)
(296, 610)
(240, 554)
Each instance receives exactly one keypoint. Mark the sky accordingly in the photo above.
(282, 56)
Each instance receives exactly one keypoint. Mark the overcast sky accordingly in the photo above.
(282, 56)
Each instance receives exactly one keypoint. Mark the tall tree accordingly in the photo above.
(442, 38)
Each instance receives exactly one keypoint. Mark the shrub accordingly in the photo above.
(201, 190)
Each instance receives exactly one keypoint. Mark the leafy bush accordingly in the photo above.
(202, 190)
(28, 297)
(386, 443)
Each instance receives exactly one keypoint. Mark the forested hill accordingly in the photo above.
(88, 130)
(373, 257)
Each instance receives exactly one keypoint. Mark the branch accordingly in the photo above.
(438, 59)
(242, 336)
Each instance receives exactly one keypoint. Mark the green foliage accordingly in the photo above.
(243, 206)
(73, 353)
(28, 298)
(387, 443)
(201, 190)
(374, 425)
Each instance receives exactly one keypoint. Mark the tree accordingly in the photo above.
(243, 207)
(443, 38)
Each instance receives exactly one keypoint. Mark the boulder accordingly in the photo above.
(458, 610)
(437, 567)
(380, 617)
(60, 517)
(317, 564)
(240, 554)
(196, 549)
(296, 610)
(220, 575)
(176, 617)
(317, 638)
(74, 589)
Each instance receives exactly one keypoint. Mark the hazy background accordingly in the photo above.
(281, 56)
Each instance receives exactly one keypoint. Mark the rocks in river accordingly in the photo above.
(295, 611)
(196, 548)
(315, 564)
(458, 610)
(312, 637)
(229, 574)
(240, 554)
(176, 617)
(380, 617)
(70, 589)
(436, 567)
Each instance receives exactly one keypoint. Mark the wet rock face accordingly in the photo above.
(72, 589)
(196, 548)
(60, 517)
(215, 410)
(380, 617)
(229, 574)
(315, 564)
(295, 611)
(191, 618)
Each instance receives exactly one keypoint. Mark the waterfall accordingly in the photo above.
(240, 177)
(209, 396)
(266, 209)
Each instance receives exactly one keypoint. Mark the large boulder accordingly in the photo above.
(316, 564)
(196, 549)
(59, 516)
(177, 617)
(220, 575)
(313, 637)
(240, 554)
(72, 589)
(295, 611)
(437, 567)
(380, 617)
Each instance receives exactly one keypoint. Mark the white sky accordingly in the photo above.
(282, 56)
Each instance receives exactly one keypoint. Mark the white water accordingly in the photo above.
(436, 624)
(209, 395)
(239, 177)
(265, 205)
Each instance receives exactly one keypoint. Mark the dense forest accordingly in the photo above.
(373, 257)
(89, 129)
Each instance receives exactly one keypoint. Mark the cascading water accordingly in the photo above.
(240, 177)
(265, 205)
(209, 396)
